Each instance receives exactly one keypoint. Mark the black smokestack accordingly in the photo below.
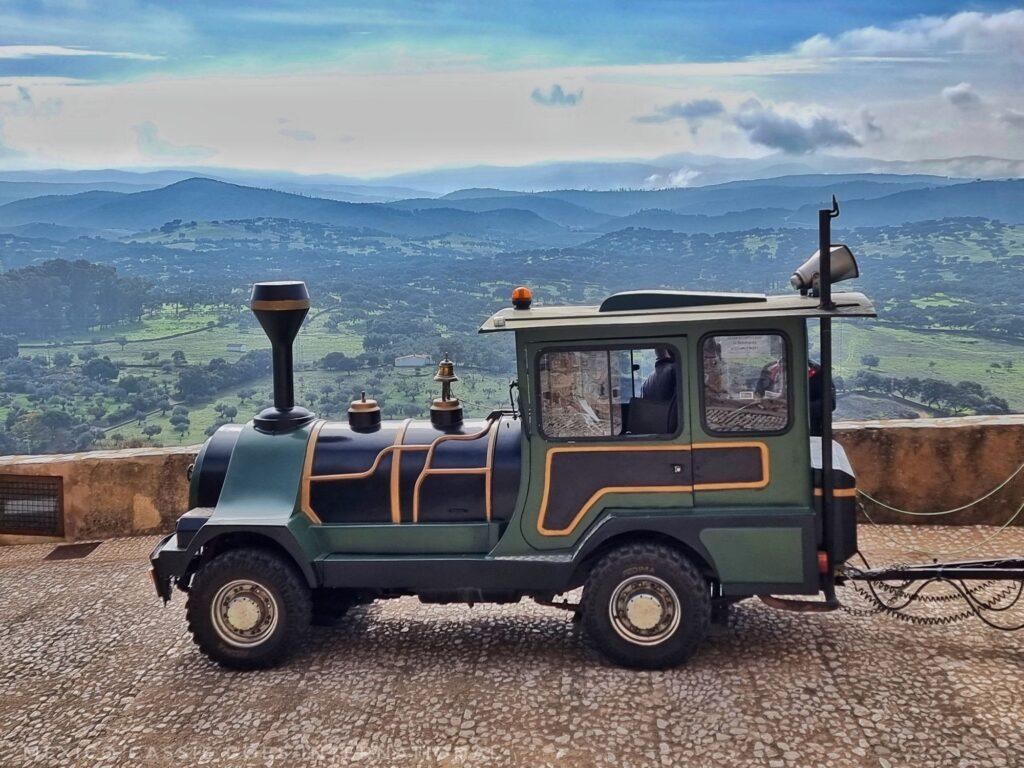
(281, 307)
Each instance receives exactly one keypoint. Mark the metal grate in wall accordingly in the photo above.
(31, 505)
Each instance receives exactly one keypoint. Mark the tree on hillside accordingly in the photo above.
(100, 369)
(179, 420)
(49, 430)
(909, 388)
(58, 295)
(227, 411)
(870, 361)
(195, 382)
(8, 347)
(337, 361)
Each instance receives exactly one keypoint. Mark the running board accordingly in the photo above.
(547, 574)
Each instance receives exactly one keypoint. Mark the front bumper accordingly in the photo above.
(167, 564)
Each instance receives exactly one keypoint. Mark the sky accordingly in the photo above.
(370, 89)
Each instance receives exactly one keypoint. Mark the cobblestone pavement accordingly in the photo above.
(94, 672)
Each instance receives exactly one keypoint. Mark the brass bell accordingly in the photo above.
(446, 370)
(446, 411)
(446, 375)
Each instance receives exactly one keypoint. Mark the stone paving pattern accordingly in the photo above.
(94, 672)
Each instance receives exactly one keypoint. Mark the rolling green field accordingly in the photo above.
(206, 338)
(949, 356)
(480, 393)
(901, 353)
(166, 320)
(209, 330)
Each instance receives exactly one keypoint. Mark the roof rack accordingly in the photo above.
(631, 301)
(742, 306)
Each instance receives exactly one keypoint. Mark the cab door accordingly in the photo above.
(609, 430)
(751, 447)
(751, 456)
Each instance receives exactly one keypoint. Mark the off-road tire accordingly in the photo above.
(668, 567)
(274, 574)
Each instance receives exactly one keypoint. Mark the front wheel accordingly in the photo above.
(248, 608)
(646, 606)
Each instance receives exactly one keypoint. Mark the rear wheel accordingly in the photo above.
(248, 608)
(647, 606)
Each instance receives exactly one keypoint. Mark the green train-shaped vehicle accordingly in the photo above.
(659, 454)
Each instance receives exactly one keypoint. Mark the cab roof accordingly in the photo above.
(648, 307)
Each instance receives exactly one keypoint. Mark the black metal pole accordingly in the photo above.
(284, 385)
(825, 258)
(825, 217)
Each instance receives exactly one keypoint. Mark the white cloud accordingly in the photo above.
(869, 123)
(556, 97)
(152, 145)
(7, 152)
(36, 51)
(24, 104)
(962, 96)
(1012, 118)
(967, 32)
(298, 134)
(793, 134)
(694, 112)
(684, 177)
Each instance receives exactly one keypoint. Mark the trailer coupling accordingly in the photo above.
(1003, 569)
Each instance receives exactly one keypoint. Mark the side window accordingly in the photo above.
(746, 387)
(608, 392)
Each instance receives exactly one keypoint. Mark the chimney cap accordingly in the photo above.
(280, 295)
(363, 404)
(364, 414)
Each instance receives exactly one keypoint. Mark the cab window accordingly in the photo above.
(608, 392)
(745, 383)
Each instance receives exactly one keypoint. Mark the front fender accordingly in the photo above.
(172, 564)
(258, 503)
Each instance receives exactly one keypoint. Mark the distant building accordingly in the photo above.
(236, 347)
(413, 361)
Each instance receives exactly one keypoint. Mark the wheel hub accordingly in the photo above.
(244, 613)
(644, 610)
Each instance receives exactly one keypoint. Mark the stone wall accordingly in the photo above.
(920, 464)
(935, 464)
(112, 493)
